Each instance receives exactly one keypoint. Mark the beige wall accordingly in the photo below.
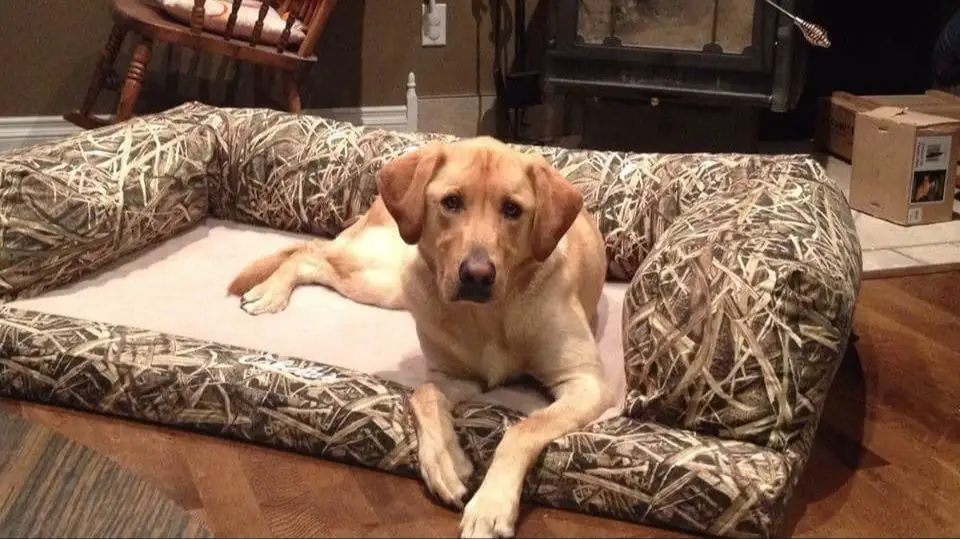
(49, 47)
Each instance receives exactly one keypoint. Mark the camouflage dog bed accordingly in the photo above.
(737, 278)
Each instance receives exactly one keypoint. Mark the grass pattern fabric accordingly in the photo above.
(73, 206)
(740, 316)
(744, 271)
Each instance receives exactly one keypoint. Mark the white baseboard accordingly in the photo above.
(392, 118)
(22, 131)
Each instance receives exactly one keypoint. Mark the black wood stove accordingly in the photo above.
(711, 52)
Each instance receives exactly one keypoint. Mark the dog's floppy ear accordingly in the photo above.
(403, 186)
(558, 204)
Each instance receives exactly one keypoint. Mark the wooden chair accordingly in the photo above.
(150, 25)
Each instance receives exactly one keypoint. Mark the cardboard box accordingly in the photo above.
(837, 114)
(904, 165)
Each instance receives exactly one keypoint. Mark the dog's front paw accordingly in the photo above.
(445, 470)
(489, 514)
(265, 299)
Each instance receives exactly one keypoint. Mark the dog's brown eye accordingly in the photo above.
(511, 210)
(452, 202)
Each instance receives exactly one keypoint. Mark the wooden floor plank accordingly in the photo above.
(314, 496)
(233, 509)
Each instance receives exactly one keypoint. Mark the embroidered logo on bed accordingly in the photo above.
(317, 373)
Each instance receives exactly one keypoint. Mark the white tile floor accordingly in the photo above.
(888, 247)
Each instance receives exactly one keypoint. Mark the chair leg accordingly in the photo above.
(291, 89)
(261, 94)
(107, 57)
(134, 81)
(234, 84)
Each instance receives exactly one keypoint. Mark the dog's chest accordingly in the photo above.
(484, 352)
(496, 364)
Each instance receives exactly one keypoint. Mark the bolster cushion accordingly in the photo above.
(622, 468)
(290, 172)
(70, 207)
(737, 320)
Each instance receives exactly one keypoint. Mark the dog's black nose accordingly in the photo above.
(477, 274)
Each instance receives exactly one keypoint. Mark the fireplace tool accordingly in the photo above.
(815, 35)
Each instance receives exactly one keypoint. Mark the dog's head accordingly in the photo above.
(479, 212)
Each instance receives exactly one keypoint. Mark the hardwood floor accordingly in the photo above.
(887, 458)
(886, 462)
(51, 486)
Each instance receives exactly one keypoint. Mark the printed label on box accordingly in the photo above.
(933, 152)
(914, 216)
(929, 182)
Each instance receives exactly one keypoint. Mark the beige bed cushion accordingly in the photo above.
(179, 287)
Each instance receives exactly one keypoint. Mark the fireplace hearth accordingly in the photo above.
(714, 52)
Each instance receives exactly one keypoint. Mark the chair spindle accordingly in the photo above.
(258, 27)
(290, 12)
(196, 16)
(232, 20)
(306, 10)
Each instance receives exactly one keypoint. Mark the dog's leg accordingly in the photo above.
(306, 264)
(364, 264)
(492, 512)
(443, 465)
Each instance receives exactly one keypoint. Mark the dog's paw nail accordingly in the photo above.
(443, 470)
(459, 493)
(262, 301)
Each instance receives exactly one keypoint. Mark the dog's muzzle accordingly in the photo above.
(477, 275)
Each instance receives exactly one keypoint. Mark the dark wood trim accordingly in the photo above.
(911, 270)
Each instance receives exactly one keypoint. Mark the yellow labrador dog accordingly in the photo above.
(502, 269)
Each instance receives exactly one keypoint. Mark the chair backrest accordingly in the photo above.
(312, 13)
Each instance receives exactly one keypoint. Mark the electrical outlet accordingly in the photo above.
(434, 27)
